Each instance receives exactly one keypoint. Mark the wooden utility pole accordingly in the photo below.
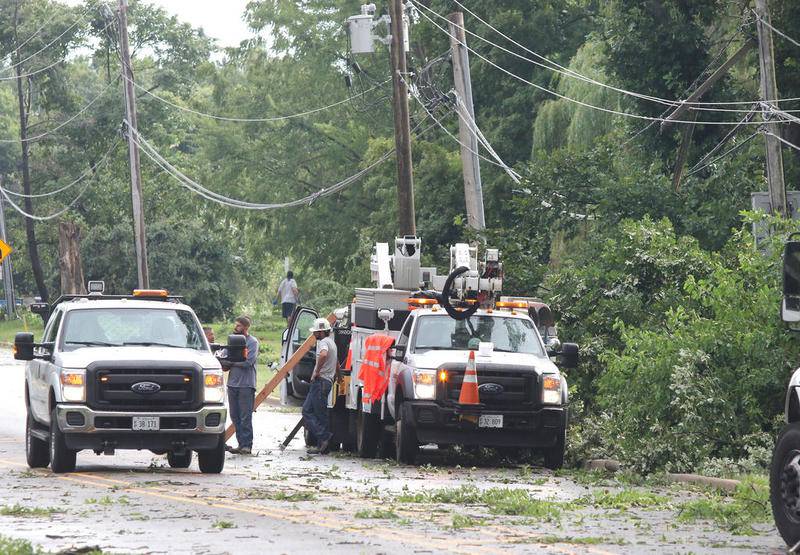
(139, 235)
(473, 190)
(402, 124)
(23, 101)
(769, 96)
(707, 84)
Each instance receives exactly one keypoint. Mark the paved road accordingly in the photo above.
(288, 502)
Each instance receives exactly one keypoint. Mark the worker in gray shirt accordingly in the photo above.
(315, 407)
(242, 389)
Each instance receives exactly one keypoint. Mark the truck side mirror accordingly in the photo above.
(569, 355)
(790, 305)
(399, 353)
(237, 347)
(23, 346)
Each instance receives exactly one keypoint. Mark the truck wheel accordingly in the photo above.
(61, 458)
(406, 444)
(784, 483)
(367, 434)
(179, 461)
(212, 461)
(386, 445)
(554, 456)
(37, 452)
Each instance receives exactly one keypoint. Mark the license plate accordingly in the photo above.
(490, 421)
(146, 423)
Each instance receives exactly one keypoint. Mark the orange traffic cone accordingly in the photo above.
(469, 387)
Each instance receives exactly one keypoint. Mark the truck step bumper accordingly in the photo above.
(79, 419)
(448, 425)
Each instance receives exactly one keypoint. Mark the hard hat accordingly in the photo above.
(320, 324)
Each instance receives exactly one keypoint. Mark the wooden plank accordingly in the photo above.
(311, 341)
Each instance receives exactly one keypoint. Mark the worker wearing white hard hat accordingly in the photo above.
(315, 407)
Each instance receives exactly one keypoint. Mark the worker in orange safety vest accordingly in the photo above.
(375, 369)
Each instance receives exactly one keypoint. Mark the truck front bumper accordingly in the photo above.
(85, 428)
(458, 424)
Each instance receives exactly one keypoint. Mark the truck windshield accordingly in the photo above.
(509, 335)
(117, 327)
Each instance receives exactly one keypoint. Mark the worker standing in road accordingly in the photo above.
(288, 295)
(242, 389)
(315, 407)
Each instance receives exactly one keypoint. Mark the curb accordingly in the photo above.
(724, 484)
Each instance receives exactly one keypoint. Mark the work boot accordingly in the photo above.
(243, 451)
(313, 451)
(325, 447)
(232, 450)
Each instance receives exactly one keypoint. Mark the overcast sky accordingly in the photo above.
(220, 19)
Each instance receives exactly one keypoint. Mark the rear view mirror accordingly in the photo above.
(237, 348)
(790, 306)
(23, 346)
(569, 355)
(399, 353)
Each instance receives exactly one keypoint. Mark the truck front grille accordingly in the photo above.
(517, 388)
(113, 389)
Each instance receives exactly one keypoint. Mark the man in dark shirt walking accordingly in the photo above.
(242, 389)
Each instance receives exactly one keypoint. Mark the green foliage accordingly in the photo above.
(736, 512)
(12, 546)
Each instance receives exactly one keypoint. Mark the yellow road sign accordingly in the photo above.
(5, 250)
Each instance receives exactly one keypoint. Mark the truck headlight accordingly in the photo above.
(213, 386)
(73, 386)
(424, 384)
(551, 390)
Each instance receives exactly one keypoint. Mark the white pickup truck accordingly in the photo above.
(123, 372)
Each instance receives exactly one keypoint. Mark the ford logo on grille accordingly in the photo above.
(145, 388)
(491, 389)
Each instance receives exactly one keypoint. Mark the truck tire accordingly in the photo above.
(554, 456)
(386, 445)
(61, 458)
(406, 444)
(212, 461)
(784, 483)
(37, 452)
(179, 461)
(367, 434)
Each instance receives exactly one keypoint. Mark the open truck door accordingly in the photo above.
(295, 386)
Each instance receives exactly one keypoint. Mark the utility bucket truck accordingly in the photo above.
(404, 347)
(784, 479)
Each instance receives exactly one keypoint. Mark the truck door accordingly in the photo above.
(41, 370)
(398, 366)
(299, 379)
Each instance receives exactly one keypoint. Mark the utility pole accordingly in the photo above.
(8, 280)
(139, 235)
(769, 96)
(402, 125)
(473, 190)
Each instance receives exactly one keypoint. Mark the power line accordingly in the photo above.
(40, 70)
(781, 139)
(75, 182)
(62, 124)
(254, 120)
(722, 142)
(579, 102)
(48, 45)
(728, 152)
(778, 31)
(199, 189)
(557, 68)
(19, 209)
(35, 34)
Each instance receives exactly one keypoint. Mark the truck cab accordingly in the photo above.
(123, 372)
(523, 395)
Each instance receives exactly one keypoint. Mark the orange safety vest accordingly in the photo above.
(374, 369)
(348, 364)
